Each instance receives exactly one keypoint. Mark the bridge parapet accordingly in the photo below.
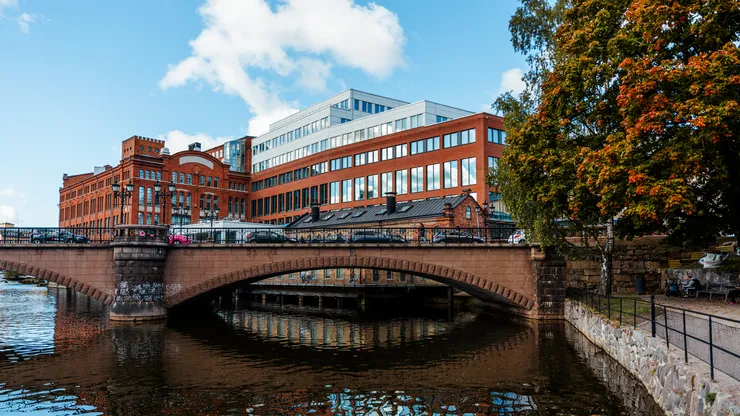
(140, 235)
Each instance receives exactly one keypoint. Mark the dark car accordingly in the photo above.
(455, 236)
(67, 236)
(326, 239)
(369, 236)
(45, 236)
(267, 237)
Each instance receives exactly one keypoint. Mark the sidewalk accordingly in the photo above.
(716, 306)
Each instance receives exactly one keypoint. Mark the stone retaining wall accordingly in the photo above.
(679, 388)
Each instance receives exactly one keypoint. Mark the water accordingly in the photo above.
(60, 356)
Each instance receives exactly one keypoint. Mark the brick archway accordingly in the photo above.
(468, 282)
(52, 276)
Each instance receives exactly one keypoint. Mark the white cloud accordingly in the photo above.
(177, 140)
(11, 193)
(300, 39)
(8, 214)
(511, 81)
(24, 21)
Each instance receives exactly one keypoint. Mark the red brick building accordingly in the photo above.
(425, 162)
(202, 182)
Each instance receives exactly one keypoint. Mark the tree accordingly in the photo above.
(544, 178)
(633, 117)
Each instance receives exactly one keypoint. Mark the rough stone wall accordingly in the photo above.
(549, 282)
(677, 387)
(641, 257)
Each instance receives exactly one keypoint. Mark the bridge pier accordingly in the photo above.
(139, 253)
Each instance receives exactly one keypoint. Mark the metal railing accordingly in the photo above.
(37, 235)
(709, 338)
(272, 235)
(281, 235)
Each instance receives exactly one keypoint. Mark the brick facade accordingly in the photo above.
(87, 200)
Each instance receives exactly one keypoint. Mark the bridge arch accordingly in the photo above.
(477, 286)
(52, 276)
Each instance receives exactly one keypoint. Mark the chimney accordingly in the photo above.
(315, 212)
(466, 192)
(390, 202)
(194, 146)
(447, 210)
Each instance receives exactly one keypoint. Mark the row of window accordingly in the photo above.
(425, 145)
(459, 138)
(342, 140)
(150, 175)
(367, 107)
(496, 136)
(288, 137)
(366, 158)
(448, 174)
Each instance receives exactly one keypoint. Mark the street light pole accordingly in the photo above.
(164, 195)
(124, 194)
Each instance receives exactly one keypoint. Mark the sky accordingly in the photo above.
(79, 77)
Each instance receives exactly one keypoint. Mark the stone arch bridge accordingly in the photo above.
(142, 277)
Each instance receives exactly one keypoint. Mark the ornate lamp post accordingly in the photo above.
(181, 212)
(163, 196)
(124, 194)
(208, 214)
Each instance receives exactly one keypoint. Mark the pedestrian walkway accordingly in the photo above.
(715, 306)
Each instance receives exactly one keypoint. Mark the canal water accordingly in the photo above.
(60, 356)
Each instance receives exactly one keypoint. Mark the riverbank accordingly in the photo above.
(679, 388)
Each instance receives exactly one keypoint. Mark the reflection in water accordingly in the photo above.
(273, 361)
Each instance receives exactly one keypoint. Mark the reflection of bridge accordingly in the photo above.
(141, 276)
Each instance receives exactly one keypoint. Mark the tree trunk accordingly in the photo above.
(606, 260)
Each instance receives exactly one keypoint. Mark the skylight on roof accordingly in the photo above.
(358, 214)
(345, 215)
(382, 211)
(328, 217)
(307, 220)
(405, 208)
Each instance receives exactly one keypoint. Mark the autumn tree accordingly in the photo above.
(634, 117)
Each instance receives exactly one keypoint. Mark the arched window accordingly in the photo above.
(468, 213)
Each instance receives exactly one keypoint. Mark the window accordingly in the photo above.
(141, 173)
(141, 196)
(202, 180)
(365, 158)
(417, 179)
(215, 182)
(459, 138)
(401, 124)
(341, 163)
(450, 169)
(359, 189)
(417, 120)
(140, 218)
(149, 196)
(347, 190)
(394, 152)
(468, 171)
(426, 145)
(468, 213)
(182, 179)
(319, 168)
(402, 182)
(372, 186)
(174, 177)
(496, 136)
(492, 162)
(433, 177)
(441, 119)
(386, 182)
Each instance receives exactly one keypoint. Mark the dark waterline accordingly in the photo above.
(59, 356)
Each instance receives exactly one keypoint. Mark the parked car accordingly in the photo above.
(327, 239)
(369, 236)
(44, 236)
(519, 237)
(455, 237)
(67, 236)
(267, 237)
(179, 239)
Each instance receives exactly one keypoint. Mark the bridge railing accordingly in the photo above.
(48, 235)
(281, 235)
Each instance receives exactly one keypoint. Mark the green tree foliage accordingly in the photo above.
(630, 113)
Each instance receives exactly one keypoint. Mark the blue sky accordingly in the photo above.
(77, 78)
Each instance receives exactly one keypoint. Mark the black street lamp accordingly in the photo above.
(163, 196)
(208, 214)
(180, 212)
(486, 217)
(123, 194)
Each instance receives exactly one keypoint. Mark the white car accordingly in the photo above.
(519, 237)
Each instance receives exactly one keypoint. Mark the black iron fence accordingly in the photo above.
(403, 235)
(35, 235)
(709, 338)
(201, 233)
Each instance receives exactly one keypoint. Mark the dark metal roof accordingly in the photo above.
(374, 214)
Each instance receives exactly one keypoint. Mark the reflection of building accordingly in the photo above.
(233, 153)
(202, 181)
